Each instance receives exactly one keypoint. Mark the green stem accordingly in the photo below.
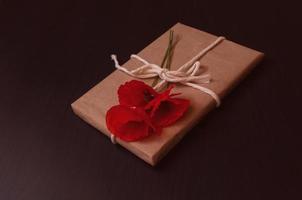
(166, 62)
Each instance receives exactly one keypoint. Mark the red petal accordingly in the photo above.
(169, 111)
(129, 123)
(165, 110)
(135, 93)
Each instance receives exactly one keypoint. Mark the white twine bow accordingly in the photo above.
(187, 74)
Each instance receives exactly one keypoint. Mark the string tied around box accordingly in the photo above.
(188, 74)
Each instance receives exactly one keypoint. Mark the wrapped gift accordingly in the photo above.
(225, 61)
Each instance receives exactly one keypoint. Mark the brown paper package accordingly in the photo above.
(227, 64)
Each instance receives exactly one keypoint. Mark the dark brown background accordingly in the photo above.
(51, 52)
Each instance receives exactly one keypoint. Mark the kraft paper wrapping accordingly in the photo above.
(227, 63)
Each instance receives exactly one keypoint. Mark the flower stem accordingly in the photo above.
(166, 62)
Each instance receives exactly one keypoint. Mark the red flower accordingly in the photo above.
(129, 123)
(135, 93)
(143, 111)
(165, 110)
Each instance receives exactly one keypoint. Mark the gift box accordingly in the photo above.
(227, 63)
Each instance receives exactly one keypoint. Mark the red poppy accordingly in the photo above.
(129, 123)
(143, 111)
(135, 93)
(165, 110)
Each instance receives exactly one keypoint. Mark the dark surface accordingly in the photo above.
(52, 52)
